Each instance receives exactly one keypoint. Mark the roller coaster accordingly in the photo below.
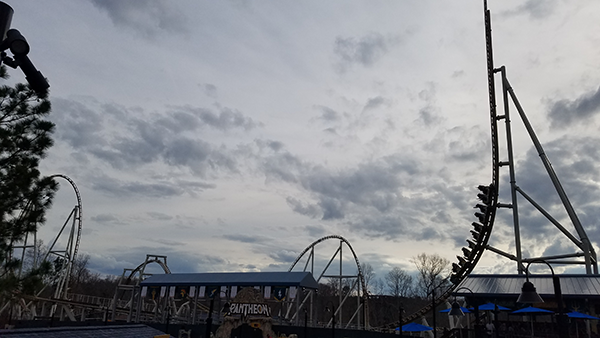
(123, 303)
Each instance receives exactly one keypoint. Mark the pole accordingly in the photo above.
(561, 319)
(333, 322)
(400, 310)
(433, 311)
(209, 318)
(305, 324)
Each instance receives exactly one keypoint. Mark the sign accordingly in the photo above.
(182, 292)
(153, 292)
(279, 293)
(212, 291)
(252, 309)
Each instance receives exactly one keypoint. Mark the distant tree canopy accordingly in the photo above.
(25, 195)
(433, 272)
(399, 282)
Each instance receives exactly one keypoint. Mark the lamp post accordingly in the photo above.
(332, 310)
(432, 293)
(400, 310)
(433, 311)
(305, 323)
(457, 311)
(529, 295)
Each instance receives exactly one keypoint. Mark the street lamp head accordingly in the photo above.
(529, 294)
(16, 42)
(456, 310)
(6, 13)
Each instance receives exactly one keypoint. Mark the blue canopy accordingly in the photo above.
(492, 307)
(532, 310)
(414, 327)
(575, 314)
(464, 309)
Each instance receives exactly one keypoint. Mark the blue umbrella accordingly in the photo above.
(414, 327)
(531, 311)
(464, 309)
(575, 314)
(492, 307)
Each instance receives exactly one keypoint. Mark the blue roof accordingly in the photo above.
(298, 279)
(510, 285)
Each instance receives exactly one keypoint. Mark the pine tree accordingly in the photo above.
(25, 195)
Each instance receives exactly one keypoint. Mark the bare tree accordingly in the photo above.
(368, 274)
(399, 282)
(433, 270)
(378, 287)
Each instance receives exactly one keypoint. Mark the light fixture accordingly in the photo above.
(529, 294)
(456, 310)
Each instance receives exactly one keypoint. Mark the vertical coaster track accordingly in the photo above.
(489, 194)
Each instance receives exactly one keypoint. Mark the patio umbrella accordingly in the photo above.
(575, 314)
(531, 311)
(414, 327)
(579, 315)
(492, 307)
(464, 309)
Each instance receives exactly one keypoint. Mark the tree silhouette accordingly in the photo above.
(25, 195)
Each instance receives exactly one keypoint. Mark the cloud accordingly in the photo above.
(209, 90)
(536, 9)
(146, 17)
(574, 161)
(564, 113)
(129, 137)
(363, 51)
(106, 218)
(245, 238)
(374, 103)
(328, 114)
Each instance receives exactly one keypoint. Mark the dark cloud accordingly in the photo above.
(159, 216)
(128, 137)
(369, 198)
(364, 51)
(210, 90)
(180, 260)
(77, 124)
(146, 17)
(152, 190)
(245, 238)
(285, 257)
(106, 218)
(226, 118)
(536, 9)
(564, 113)
(574, 160)
(428, 117)
(328, 114)
(374, 103)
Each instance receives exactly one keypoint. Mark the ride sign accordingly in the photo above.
(253, 309)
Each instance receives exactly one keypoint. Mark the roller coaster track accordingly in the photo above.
(488, 196)
(361, 287)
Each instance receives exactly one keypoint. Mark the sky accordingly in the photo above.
(231, 135)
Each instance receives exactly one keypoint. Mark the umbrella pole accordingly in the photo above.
(531, 320)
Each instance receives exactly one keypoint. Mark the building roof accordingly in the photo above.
(122, 331)
(298, 279)
(587, 286)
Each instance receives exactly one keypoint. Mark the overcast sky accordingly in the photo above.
(230, 135)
